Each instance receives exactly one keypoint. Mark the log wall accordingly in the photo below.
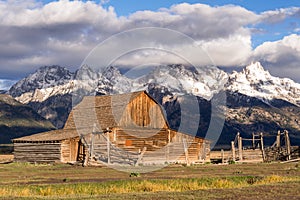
(37, 152)
(69, 150)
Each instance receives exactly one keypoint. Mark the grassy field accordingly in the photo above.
(236, 181)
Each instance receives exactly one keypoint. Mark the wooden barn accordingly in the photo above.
(114, 129)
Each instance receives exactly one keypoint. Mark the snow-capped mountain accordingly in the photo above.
(179, 79)
(255, 81)
(203, 82)
(44, 77)
(252, 81)
(256, 100)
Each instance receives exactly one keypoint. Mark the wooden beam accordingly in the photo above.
(233, 150)
(278, 139)
(253, 141)
(240, 147)
(186, 152)
(92, 145)
(108, 149)
(222, 155)
(262, 146)
(287, 144)
(140, 157)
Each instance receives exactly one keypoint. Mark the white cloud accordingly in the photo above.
(6, 84)
(282, 55)
(64, 32)
(275, 16)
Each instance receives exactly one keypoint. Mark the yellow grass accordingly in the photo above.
(137, 186)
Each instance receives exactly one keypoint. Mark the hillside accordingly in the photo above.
(17, 120)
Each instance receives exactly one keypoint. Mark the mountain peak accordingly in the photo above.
(44, 77)
(255, 66)
(256, 71)
(255, 81)
(111, 72)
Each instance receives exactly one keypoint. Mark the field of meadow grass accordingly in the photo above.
(238, 181)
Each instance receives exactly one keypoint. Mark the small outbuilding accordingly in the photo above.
(114, 129)
(53, 146)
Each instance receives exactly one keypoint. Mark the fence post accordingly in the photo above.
(233, 150)
(222, 154)
(108, 149)
(92, 145)
(253, 141)
(240, 147)
(262, 146)
(278, 139)
(287, 144)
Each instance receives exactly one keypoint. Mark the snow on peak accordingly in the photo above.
(204, 82)
(44, 77)
(179, 79)
(256, 71)
(255, 81)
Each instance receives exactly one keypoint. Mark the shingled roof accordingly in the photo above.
(55, 135)
(103, 110)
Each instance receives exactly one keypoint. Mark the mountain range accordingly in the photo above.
(256, 101)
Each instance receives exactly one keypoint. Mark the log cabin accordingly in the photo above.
(121, 129)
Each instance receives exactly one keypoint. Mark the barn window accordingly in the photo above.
(128, 142)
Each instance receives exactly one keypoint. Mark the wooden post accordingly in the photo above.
(262, 146)
(140, 157)
(240, 147)
(253, 141)
(204, 151)
(287, 144)
(115, 135)
(168, 145)
(86, 156)
(167, 152)
(186, 152)
(199, 151)
(108, 149)
(92, 145)
(278, 139)
(233, 150)
(222, 154)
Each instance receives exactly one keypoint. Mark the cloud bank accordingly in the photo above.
(64, 32)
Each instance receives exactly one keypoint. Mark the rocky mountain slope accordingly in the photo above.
(256, 100)
(17, 120)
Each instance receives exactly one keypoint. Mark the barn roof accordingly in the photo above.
(54, 135)
(104, 110)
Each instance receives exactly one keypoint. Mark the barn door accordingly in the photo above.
(73, 149)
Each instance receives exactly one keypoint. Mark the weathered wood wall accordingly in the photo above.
(161, 145)
(37, 152)
(143, 112)
(70, 150)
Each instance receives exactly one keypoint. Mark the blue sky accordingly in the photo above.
(234, 33)
(125, 7)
